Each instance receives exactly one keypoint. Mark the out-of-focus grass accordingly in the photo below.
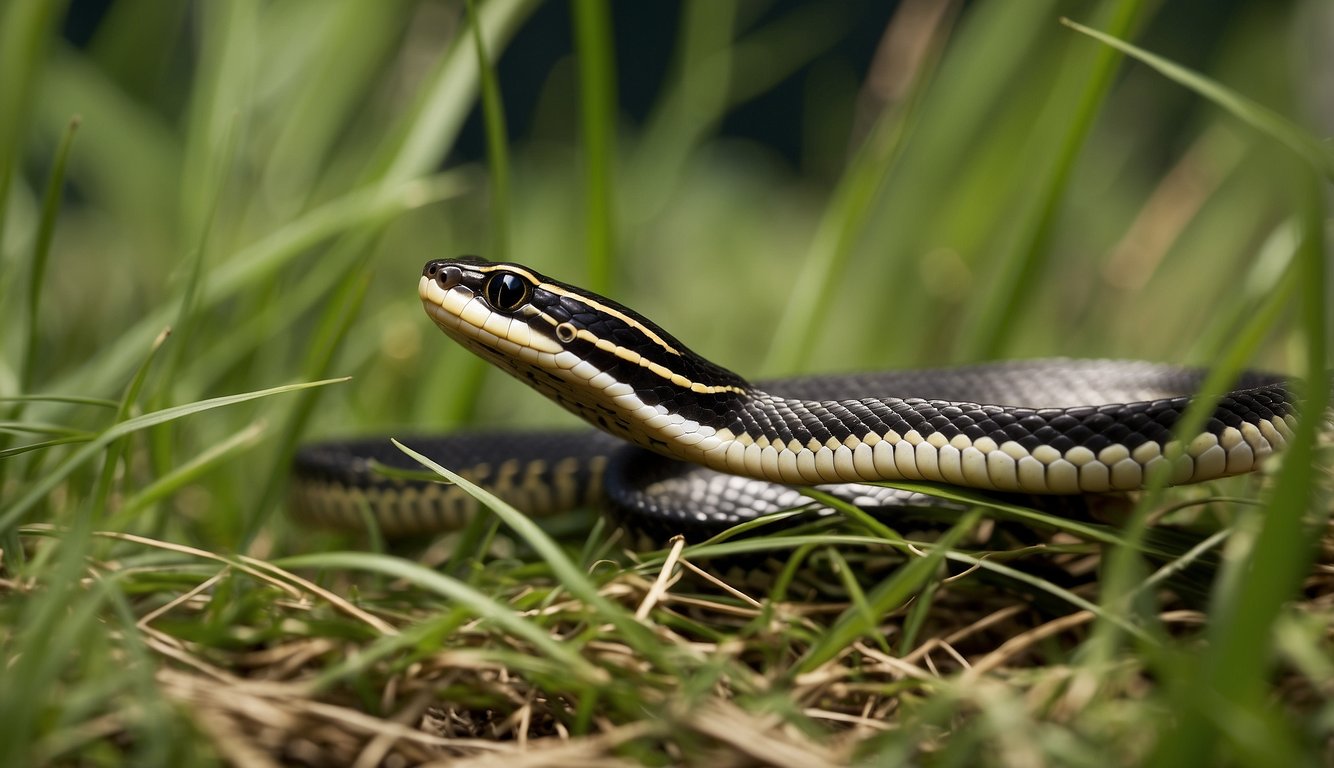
(267, 179)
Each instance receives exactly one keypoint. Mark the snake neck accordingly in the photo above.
(758, 434)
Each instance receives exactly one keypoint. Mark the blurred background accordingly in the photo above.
(786, 186)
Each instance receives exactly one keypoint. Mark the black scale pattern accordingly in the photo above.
(1018, 390)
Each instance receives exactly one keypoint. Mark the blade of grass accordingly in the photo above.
(101, 402)
(25, 32)
(844, 220)
(222, 104)
(565, 571)
(1020, 262)
(154, 728)
(597, 103)
(1087, 531)
(1266, 121)
(342, 310)
(1258, 582)
(97, 500)
(887, 595)
(55, 187)
(186, 473)
(36, 278)
(456, 591)
(49, 636)
(856, 596)
(712, 74)
(365, 207)
(46, 484)
(799, 544)
(497, 142)
(853, 512)
(353, 42)
(17, 450)
(429, 131)
(38, 428)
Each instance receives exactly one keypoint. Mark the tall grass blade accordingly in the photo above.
(597, 102)
(1084, 88)
(14, 514)
(887, 595)
(433, 125)
(55, 187)
(1263, 119)
(25, 32)
(360, 208)
(497, 142)
(850, 208)
(569, 575)
(1266, 568)
(457, 591)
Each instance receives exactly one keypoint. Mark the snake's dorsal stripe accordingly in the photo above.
(663, 373)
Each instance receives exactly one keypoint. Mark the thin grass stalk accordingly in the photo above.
(39, 490)
(155, 729)
(597, 109)
(887, 595)
(480, 604)
(497, 143)
(341, 312)
(99, 500)
(845, 219)
(993, 324)
(55, 187)
(355, 42)
(221, 108)
(1123, 570)
(25, 33)
(364, 207)
(1259, 117)
(566, 573)
(36, 279)
(1257, 585)
(429, 130)
(189, 472)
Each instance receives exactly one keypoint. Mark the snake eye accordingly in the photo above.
(506, 291)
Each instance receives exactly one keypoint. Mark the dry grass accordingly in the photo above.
(320, 674)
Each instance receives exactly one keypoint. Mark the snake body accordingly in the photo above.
(736, 449)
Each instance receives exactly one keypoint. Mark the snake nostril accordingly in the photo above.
(444, 273)
(448, 277)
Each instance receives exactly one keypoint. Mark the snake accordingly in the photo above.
(682, 445)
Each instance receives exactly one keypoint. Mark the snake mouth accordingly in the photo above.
(465, 316)
(434, 299)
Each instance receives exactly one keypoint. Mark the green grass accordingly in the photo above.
(265, 180)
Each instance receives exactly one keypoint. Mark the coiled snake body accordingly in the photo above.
(735, 449)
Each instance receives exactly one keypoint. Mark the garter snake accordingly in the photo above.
(734, 449)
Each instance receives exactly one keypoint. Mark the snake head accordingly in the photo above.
(597, 358)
